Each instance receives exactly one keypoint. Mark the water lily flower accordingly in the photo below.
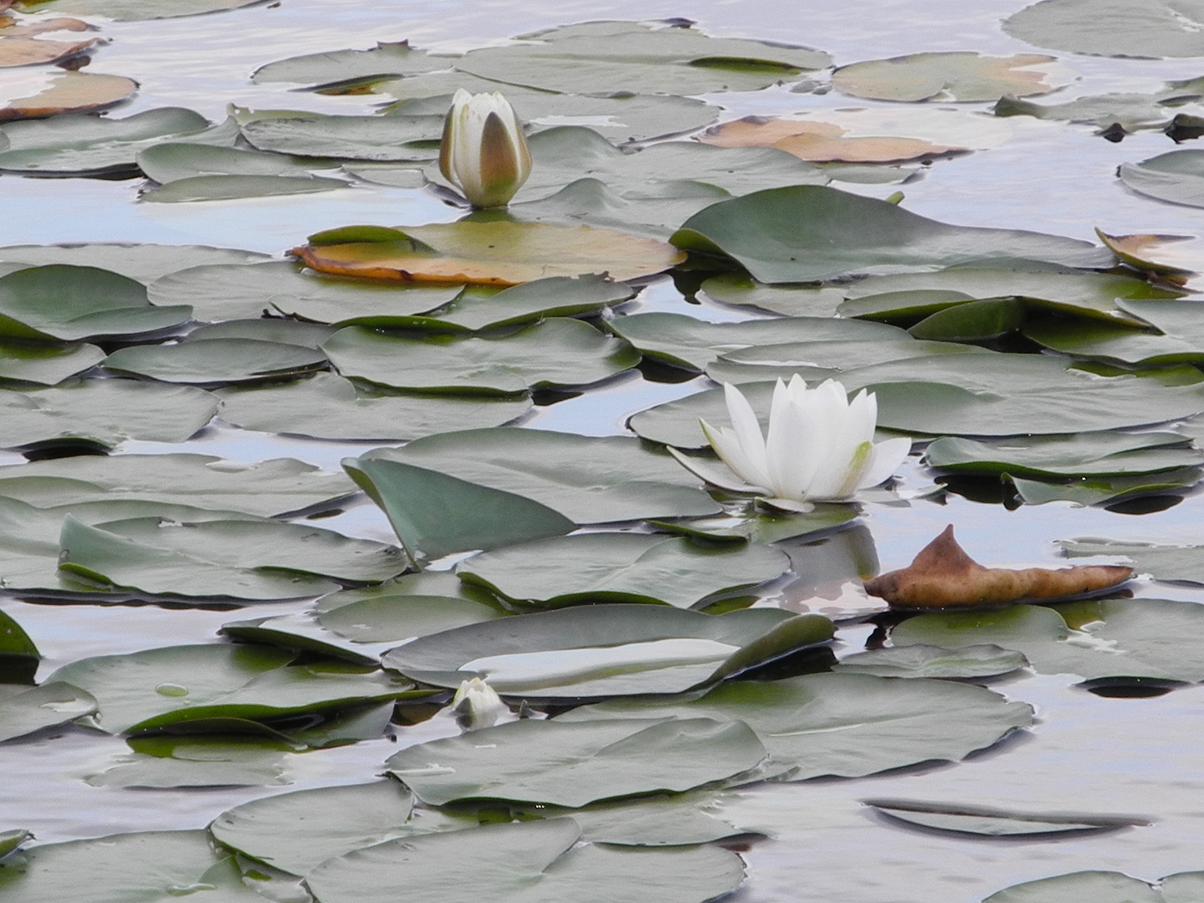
(477, 704)
(483, 150)
(819, 446)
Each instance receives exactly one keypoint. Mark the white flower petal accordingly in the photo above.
(725, 444)
(748, 434)
(885, 460)
(713, 474)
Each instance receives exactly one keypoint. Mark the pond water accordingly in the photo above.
(1136, 756)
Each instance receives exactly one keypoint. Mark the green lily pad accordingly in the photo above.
(24, 710)
(809, 233)
(626, 757)
(172, 161)
(1157, 29)
(144, 263)
(761, 526)
(844, 725)
(326, 406)
(613, 57)
(820, 359)
(622, 567)
(1046, 457)
(10, 840)
(968, 662)
(299, 632)
(370, 138)
(73, 303)
(86, 145)
(1176, 176)
(102, 413)
(740, 290)
(236, 186)
(1103, 887)
(683, 341)
(15, 643)
(1128, 112)
(525, 862)
(164, 762)
(387, 58)
(1150, 638)
(987, 821)
(151, 866)
(606, 650)
(44, 363)
(964, 77)
(1107, 490)
(1174, 563)
(269, 488)
(553, 353)
(216, 361)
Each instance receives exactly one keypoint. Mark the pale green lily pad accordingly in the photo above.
(1174, 563)
(622, 567)
(553, 353)
(326, 406)
(1104, 887)
(73, 303)
(172, 161)
(1155, 29)
(136, 10)
(10, 840)
(987, 821)
(809, 233)
(144, 263)
(150, 867)
(1046, 457)
(368, 138)
(299, 632)
(613, 57)
(216, 361)
(761, 526)
(387, 58)
(533, 863)
(236, 187)
(683, 341)
(87, 145)
(964, 77)
(165, 762)
(740, 290)
(269, 488)
(1107, 490)
(1129, 112)
(968, 662)
(844, 725)
(578, 763)
(102, 413)
(607, 650)
(1135, 638)
(24, 710)
(44, 363)
(821, 359)
(1176, 177)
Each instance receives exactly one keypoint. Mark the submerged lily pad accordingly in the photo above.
(809, 233)
(843, 725)
(28, 709)
(622, 567)
(1103, 887)
(607, 650)
(553, 353)
(517, 862)
(965, 77)
(987, 821)
(1156, 29)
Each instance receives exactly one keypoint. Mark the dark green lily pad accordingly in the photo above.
(1156, 29)
(73, 303)
(1107, 490)
(10, 840)
(626, 757)
(216, 361)
(24, 710)
(987, 821)
(1103, 887)
(965, 77)
(145, 263)
(622, 567)
(809, 233)
(326, 406)
(1150, 638)
(15, 643)
(605, 650)
(552, 353)
(844, 725)
(1051, 457)
(968, 662)
(44, 363)
(102, 413)
(525, 862)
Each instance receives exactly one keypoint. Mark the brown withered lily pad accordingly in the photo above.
(1173, 257)
(822, 142)
(944, 576)
(21, 44)
(70, 92)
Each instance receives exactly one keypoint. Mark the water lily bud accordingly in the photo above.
(477, 704)
(483, 150)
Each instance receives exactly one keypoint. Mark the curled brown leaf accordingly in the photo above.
(944, 576)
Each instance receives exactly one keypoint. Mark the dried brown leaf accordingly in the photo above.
(72, 92)
(944, 576)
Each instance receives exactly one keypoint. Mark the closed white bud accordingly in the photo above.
(477, 705)
(483, 150)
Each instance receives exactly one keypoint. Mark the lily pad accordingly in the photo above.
(367, 138)
(579, 763)
(844, 725)
(821, 359)
(1176, 176)
(73, 303)
(964, 77)
(1168, 256)
(387, 58)
(553, 353)
(487, 253)
(607, 650)
(622, 567)
(234, 186)
(45, 363)
(612, 57)
(102, 413)
(136, 10)
(1051, 457)
(1157, 29)
(15, 644)
(144, 263)
(163, 762)
(1103, 887)
(1129, 112)
(24, 710)
(21, 44)
(10, 840)
(1107, 490)
(987, 821)
(809, 233)
(761, 526)
(966, 663)
(530, 862)
(327, 406)
(216, 361)
(69, 92)
(1174, 563)
(1146, 638)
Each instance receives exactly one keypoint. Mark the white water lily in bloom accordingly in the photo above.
(477, 704)
(819, 446)
(483, 150)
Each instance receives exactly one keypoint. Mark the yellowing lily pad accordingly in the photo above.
(1173, 257)
(495, 253)
(967, 77)
(71, 92)
(21, 46)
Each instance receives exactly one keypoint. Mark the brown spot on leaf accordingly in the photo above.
(944, 576)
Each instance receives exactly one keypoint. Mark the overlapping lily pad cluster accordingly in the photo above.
(630, 615)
